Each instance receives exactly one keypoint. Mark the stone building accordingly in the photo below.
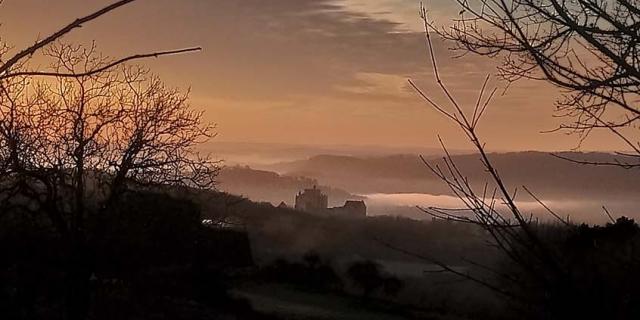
(283, 205)
(351, 208)
(312, 200)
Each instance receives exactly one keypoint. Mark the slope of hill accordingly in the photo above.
(253, 154)
(260, 185)
(547, 175)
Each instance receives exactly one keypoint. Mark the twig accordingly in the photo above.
(58, 34)
(103, 68)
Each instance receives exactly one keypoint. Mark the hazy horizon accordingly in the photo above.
(257, 154)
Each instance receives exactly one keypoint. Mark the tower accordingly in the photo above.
(312, 200)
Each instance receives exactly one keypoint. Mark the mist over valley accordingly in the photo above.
(394, 184)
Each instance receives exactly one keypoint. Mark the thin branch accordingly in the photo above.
(102, 68)
(553, 213)
(58, 34)
(451, 270)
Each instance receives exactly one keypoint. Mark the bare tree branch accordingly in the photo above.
(9, 63)
(101, 68)
(588, 48)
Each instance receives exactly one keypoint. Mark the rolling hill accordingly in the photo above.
(547, 175)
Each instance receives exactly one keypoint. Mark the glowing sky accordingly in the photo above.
(304, 71)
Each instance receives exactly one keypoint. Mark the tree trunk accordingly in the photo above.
(78, 294)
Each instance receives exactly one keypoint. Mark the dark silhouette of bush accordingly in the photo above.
(311, 274)
(370, 277)
(598, 279)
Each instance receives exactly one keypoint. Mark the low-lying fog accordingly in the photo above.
(590, 211)
(395, 182)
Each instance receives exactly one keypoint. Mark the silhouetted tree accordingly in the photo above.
(70, 148)
(71, 145)
(312, 274)
(554, 271)
(588, 48)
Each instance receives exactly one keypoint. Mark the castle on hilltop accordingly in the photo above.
(314, 201)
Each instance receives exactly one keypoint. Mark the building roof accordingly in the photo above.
(355, 203)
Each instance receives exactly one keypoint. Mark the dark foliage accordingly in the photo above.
(598, 277)
(311, 274)
(151, 255)
(370, 277)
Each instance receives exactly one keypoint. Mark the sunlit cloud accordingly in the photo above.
(276, 68)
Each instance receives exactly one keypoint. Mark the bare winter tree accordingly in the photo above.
(62, 128)
(76, 136)
(494, 209)
(552, 270)
(73, 146)
(588, 48)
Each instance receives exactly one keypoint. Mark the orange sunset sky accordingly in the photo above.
(306, 71)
